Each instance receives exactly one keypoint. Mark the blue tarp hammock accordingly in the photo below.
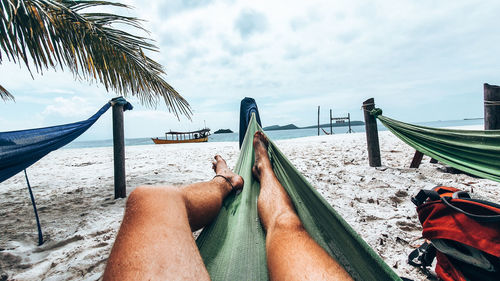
(472, 151)
(21, 149)
(233, 245)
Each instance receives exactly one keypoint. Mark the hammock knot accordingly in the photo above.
(122, 101)
(376, 112)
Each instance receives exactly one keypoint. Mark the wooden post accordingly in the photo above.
(119, 151)
(417, 159)
(371, 134)
(491, 107)
(349, 120)
(331, 126)
(318, 120)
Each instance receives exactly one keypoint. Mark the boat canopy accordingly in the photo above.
(206, 130)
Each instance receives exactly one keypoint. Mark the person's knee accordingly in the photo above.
(139, 194)
(288, 221)
(145, 195)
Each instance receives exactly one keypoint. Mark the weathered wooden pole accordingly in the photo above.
(491, 107)
(417, 159)
(119, 151)
(331, 126)
(371, 134)
(318, 120)
(349, 120)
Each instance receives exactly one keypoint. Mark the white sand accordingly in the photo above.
(74, 193)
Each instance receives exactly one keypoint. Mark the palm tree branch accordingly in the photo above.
(58, 33)
(5, 95)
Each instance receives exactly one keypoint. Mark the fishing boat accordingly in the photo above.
(184, 137)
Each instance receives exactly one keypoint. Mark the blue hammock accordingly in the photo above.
(21, 149)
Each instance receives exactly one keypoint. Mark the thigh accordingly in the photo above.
(155, 240)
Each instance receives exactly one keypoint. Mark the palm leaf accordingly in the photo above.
(50, 33)
(5, 95)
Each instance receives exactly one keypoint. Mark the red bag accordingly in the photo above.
(464, 235)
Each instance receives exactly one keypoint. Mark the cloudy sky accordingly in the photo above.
(420, 60)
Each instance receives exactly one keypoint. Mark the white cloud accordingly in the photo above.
(409, 55)
(69, 107)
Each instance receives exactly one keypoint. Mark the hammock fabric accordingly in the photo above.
(474, 152)
(233, 245)
(21, 149)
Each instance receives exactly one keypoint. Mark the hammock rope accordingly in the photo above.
(491, 102)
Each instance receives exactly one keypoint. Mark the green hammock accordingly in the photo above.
(474, 152)
(233, 246)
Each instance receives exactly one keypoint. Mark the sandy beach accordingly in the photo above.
(74, 193)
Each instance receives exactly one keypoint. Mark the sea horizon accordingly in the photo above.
(274, 134)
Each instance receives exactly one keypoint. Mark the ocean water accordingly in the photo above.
(275, 135)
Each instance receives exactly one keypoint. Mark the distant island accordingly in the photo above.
(278, 127)
(293, 126)
(223, 131)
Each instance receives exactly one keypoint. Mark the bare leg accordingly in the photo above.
(155, 241)
(291, 253)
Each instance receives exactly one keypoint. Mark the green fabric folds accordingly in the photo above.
(233, 246)
(474, 152)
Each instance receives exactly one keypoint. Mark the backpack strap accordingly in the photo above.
(435, 195)
(480, 218)
(423, 194)
(423, 255)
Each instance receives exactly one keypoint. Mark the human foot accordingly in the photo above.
(221, 169)
(260, 144)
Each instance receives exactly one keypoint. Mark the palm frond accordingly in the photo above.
(49, 33)
(5, 95)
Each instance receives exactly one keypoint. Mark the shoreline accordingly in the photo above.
(74, 194)
(274, 134)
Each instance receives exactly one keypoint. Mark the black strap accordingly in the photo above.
(422, 195)
(423, 255)
(479, 218)
(423, 258)
(227, 180)
(40, 235)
